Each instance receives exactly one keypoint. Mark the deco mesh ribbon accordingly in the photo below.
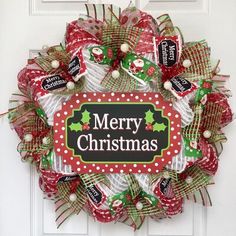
(112, 50)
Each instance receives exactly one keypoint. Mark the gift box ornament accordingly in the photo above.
(124, 120)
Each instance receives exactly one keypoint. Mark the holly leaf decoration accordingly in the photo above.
(75, 127)
(85, 117)
(149, 117)
(159, 127)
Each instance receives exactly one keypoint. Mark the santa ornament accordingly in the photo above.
(136, 66)
(97, 54)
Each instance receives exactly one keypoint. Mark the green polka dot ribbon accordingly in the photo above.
(205, 87)
(132, 68)
(140, 68)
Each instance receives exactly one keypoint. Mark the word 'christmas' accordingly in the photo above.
(168, 52)
(86, 142)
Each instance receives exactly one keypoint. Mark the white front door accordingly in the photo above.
(26, 25)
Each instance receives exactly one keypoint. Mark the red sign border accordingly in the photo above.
(79, 166)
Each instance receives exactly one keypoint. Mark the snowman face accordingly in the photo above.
(139, 63)
(97, 51)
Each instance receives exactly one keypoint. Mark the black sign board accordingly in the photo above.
(167, 52)
(114, 131)
(179, 84)
(53, 82)
(95, 195)
(74, 66)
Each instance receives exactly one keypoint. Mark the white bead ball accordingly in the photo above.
(124, 47)
(115, 74)
(187, 63)
(73, 197)
(70, 85)
(28, 137)
(207, 134)
(46, 140)
(167, 85)
(166, 175)
(55, 64)
(139, 205)
(189, 180)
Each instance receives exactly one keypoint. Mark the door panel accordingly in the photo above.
(25, 26)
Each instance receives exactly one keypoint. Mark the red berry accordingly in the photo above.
(149, 126)
(128, 197)
(206, 85)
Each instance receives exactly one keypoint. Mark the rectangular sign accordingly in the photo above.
(117, 132)
(167, 51)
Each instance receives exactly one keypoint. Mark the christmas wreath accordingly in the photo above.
(122, 62)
